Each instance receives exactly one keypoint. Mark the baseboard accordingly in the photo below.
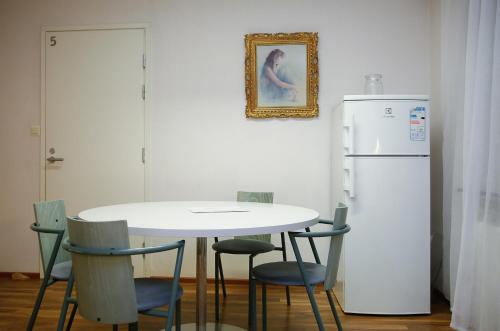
(186, 280)
(32, 275)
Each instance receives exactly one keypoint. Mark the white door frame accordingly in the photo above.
(147, 101)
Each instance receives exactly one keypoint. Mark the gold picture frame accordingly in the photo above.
(281, 75)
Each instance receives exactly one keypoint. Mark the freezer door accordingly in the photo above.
(387, 253)
(386, 127)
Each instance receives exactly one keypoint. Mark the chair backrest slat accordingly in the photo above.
(262, 197)
(332, 265)
(51, 214)
(105, 285)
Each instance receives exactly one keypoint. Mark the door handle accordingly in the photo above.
(349, 179)
(55, 159)
(349, 126)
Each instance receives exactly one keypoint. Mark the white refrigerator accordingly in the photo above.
(381, 171)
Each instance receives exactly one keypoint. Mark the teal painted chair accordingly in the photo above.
(245, 245)
(103, 275)
(302, 273)
(50, 226)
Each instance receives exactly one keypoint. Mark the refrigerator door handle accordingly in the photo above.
(349, 177)
(349, 125)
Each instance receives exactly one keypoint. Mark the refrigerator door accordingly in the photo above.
(386, 267)
(386, 127)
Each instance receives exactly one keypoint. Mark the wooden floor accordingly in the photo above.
(17, 298)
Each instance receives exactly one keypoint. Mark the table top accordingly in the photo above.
(204, 218)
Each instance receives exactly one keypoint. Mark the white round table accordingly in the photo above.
(202, 219)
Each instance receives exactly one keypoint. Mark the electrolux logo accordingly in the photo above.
(388, 113)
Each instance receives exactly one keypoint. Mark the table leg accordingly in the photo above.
(201, 294)
(201, 284)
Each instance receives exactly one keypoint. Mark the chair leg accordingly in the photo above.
(314, 305)
(217, 264)
(65, 305)
(288, 300)
(334, 311)
(115, 327)
(38, 302)
(224, 293)
(283, 247)
(251, 294)
(133, 326)
(221, 272)
(72, 316)
(253, 303)
(309, 288)
(264, 307)
(178, 315)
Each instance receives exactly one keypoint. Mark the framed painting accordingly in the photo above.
(281, 75)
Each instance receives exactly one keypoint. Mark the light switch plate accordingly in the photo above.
(35, 130)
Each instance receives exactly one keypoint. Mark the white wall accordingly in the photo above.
(203, 147)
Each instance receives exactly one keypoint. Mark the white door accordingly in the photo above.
(387, 252)
(94, 118)
(386, 127)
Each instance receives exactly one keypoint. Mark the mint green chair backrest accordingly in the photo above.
(51, 214)
(104, 283)
(262, 197)
(332, 265)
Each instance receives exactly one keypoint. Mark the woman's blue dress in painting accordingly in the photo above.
(272, 92)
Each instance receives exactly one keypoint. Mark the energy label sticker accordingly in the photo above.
(417, 124)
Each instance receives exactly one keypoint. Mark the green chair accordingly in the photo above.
(50, 226)
(103, 273)
(245, 245)
(302, 273)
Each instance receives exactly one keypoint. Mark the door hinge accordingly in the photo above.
(143, 61)
(143, 155)
(143, 92)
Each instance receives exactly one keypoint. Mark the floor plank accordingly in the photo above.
(17, 298)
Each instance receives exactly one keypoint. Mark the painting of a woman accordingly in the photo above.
(274, 83)
(281, 76)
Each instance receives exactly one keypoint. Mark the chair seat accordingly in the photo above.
(153, 293)
(61, 271)
(242, 246)
(288, 273)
